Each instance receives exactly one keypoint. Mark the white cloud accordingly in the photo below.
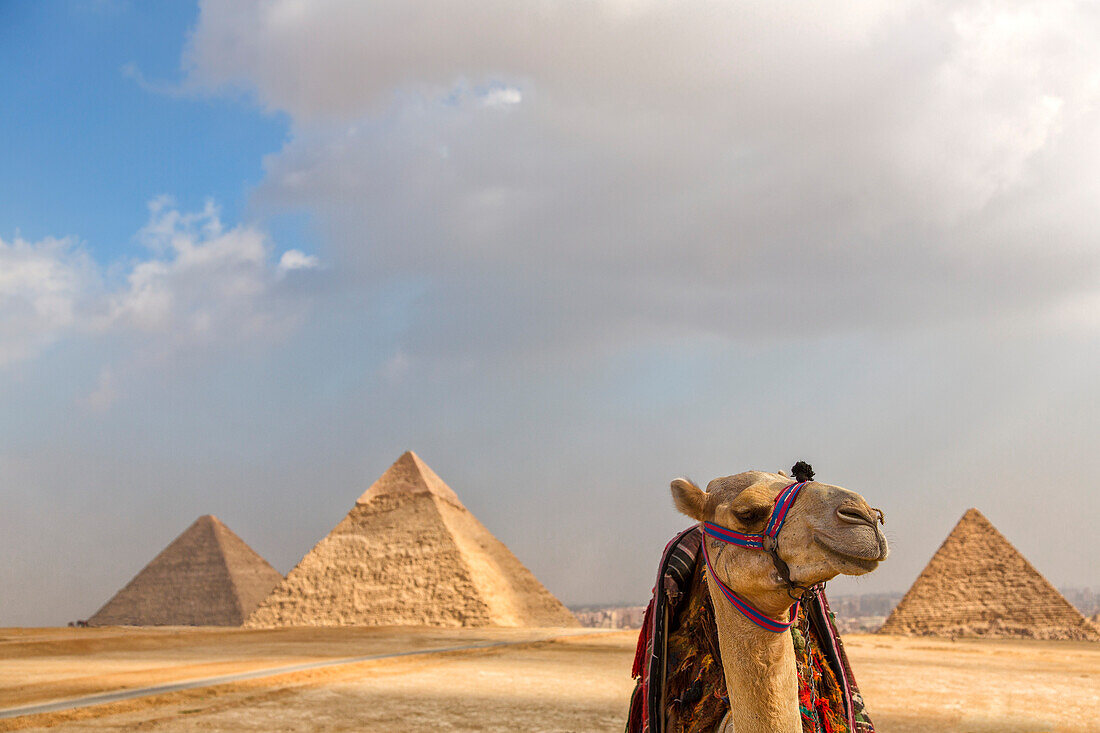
(42, 288)
(502, 97)
(206, 281)
(201, 283)
(294, 259)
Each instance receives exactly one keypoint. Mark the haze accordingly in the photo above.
(251, 252)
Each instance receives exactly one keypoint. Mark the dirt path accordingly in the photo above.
(138, 692)
(42, 666)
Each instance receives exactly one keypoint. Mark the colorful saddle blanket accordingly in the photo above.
(681, 687)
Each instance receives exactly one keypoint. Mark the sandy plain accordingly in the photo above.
(537, 683)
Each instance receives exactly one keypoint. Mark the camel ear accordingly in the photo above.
(689, 498)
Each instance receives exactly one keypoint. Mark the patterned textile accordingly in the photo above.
(820, 694)
(695, 666)
(681, 687)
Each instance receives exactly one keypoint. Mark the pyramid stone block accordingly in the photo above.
(207, 576)
(978, 584)
(409, 553)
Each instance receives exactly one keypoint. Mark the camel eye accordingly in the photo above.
(752, 515)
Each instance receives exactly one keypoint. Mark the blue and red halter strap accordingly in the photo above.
(783, 505)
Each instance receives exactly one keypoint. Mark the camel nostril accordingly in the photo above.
(855, 515)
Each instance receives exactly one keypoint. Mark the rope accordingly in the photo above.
(783, 504)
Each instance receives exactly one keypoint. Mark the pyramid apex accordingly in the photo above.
(408, 475)
(971, 517)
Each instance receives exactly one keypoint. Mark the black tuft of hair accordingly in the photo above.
(802, 471)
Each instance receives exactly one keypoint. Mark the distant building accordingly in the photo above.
(611, 617)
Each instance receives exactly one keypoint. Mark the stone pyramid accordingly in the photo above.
(208, 576)
(409, 553)
(978, 584)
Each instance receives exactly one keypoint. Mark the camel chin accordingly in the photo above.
(858, 553)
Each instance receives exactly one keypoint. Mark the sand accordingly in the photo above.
(580, 683)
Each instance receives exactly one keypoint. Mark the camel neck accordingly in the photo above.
(761, 674)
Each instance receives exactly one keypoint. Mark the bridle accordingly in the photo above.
(769, 542)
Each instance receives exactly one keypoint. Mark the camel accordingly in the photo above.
(828, 531)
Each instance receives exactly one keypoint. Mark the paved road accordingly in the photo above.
(130, 694)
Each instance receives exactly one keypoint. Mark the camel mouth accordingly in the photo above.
(860, 558)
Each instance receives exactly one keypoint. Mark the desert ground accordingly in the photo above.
(535, 680)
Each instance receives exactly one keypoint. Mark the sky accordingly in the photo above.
(251, 252)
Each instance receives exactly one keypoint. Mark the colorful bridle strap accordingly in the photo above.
(783, 505)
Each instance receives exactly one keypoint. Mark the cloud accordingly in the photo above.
(204, 282)
(132, 71)
(201, 283)
(572, 250)
(502, 97)
(43, 286)
(739, 171)
(293, 259)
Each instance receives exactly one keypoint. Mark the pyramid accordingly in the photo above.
(409, 553)
(208, 576)
(978, 584)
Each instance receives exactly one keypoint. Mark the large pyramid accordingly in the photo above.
(409, 553)
(208, 576)
(978, 584)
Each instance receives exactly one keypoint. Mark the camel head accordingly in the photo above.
(828, 531)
